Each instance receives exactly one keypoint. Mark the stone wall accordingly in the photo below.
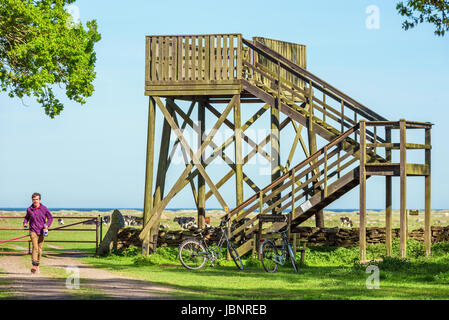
(340, 237)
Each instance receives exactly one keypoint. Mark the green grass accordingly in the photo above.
(5, 294)
(56, 235)
(329, 273)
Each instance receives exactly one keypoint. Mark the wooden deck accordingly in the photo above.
(209, 65)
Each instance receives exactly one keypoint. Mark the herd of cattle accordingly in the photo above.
(184, 222)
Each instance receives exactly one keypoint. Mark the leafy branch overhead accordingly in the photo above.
(435, 12)
(41, 47)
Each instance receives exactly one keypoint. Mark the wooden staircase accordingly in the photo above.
(327, 174)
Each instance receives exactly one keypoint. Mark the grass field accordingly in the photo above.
(332, 219)
(329, 272)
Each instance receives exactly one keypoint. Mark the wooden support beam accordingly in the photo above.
(181, 182)
(201, 182)
(388, 200)
(296, 139)
(183, 126)
(244, 136)
(319, 216)
(238, 152)
(148, 197)
(186, 161)
(403, 187)
(427, 200)
(160, 179)
(217, 150)
(275, 150)
(248, 157)
(193, 156)
(362, 178)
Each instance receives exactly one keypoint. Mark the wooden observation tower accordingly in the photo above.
(266, 75)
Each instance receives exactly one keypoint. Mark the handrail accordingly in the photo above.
(307, 76)
(288, 174)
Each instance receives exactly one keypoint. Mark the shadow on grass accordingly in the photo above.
(311, 282)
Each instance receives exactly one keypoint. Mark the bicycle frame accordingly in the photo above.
(280, 258)
(214, 254)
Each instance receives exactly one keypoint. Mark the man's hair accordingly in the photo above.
(36, 195)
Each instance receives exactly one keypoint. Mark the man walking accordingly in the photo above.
(39, 218)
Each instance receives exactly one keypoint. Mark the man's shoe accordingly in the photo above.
(35, 269)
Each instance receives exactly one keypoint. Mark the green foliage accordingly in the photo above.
(163, 255)
(334, 256)
(252, 262)
(435, 12)
(128, 252)
(41, 47)
(394, 264)
(442, 278)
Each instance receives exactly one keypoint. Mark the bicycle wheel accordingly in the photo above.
(292, 258)
(192, 254)
(268, 256)
(235, 256)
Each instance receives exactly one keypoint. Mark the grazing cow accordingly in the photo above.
(89, 222)
(183, 221)
(133, 221)
(60, 221)
(345, 222)
(106, 219)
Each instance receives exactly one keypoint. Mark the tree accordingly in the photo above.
(41, 48)
(418, 11)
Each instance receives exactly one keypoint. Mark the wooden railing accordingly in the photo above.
(193, 58)
(318, 171)
(321, 171)
(415, 165)
(327, 103)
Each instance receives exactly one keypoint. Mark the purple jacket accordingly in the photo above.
(38, 218)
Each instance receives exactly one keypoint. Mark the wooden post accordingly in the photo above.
(201, 181)
(362, 177)
(160, 177)
(275, 146)
(403, 187)
(259, 237)
(293, 192)
(319, 216)
(238, 152)
(427, 213)
(295, 239)
(148, 197)
(254, 253)
(388, 199)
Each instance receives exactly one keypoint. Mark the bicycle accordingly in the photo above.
(193, 253)
(269, 255)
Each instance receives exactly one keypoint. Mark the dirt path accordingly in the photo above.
(93, 283)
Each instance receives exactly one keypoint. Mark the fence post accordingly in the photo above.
(403, 186)
(362, 180)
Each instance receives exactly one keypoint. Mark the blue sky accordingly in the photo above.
(94, 155)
